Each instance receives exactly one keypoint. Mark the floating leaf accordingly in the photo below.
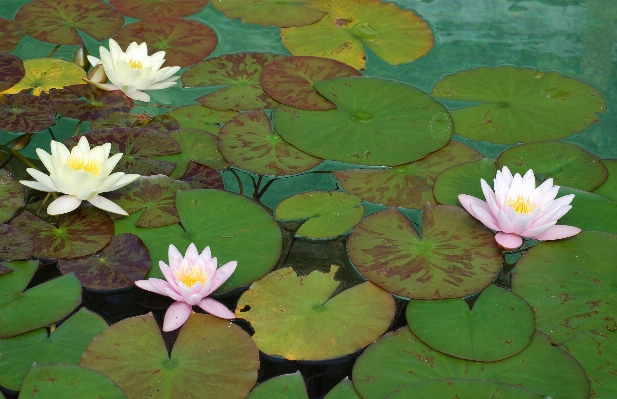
(343, 390)
(608, 189)
(270, 12)
(199, 176)
(463, 179)
(455, 257)
(185, 41)
(463, 389)
(329, 214)
(11, 33)
(409, 185)
(395, 35)
(210, 356)
(287, 386)
(44, 74)
(161, 8)
(117, 119)
(590, 211)
(296, 317)
(25, 113)
(519, 104)
(14, 243)
(11, 67)
(248, 142)
(11, 195)
(200, 117)
(93, 104)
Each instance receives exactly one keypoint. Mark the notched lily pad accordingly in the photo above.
(12, 195)
(14, 243)
(11, 67)
(161, 8)
(463, 179)
(200, 117)
(590, 212)
(286, 386)
(25, 113)
(199, 176)
(93, 103)
(270, 12)
(608, 189)
(11, 32)
(44, 74)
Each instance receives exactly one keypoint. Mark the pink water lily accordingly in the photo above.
(517, 208)
(189, 281)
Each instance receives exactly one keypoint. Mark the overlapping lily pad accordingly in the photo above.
(270, 12)
(4, 269)
(296, 317)
(608, 189)
(455, 257)
(14, 243)
(11, 67)
(409, 185)
(93, 104)
(286, 386)
(11, 33)
(210, 356)
(378, 122)
(200, 117)
(199, 176)
(43, 74)
(161, 8)
(248, 142)
(568, 164)
(343, 390)
(185, 41)
(25, 113)
(463, 179)
(11, 195)
(463, 389)
(519, 104)
(240, 73)
(590, 212)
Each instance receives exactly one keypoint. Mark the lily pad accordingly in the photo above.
(93, 104)
(64, 345)
(463, 179)
(200, 117)
(11, 33)
(519, 104)
(79, 233)
(463, 389)
(185, 41)
(287, 386)
(118, 265)
(608, 189)
(327, 214)
(290, 80)
(4, 270)
(270, 12)
(12, 195)
(240, 73)
(11, 67)
(409, 185)
(343, 390)
(297, 317)
(210, 356)
(248, 142)
(14, 243)
(590, 211)
(199, 176)
(399, 358)
(25, 113)
(570, 284)
(22, 311)
(455, 256)
(43, 74)
(568, 164)
(161, 8)
(378, 122)
(499, 325)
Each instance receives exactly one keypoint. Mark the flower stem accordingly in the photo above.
(17, 155)
(53, 51)
(239, 181)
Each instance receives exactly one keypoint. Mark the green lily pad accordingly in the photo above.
(210, 356)
(290, 80)
(25, 113)
(12, 195)
(57, 21)
(395, 35)
(297, 317)
(519, 104)
(270, 12)
(499, 325)
(118, 265)
(14, 243)
(409, 185)
(64, 345)
(455, 256)
(568, 164)
(608, 189)
(185, 41)
(463, 389)
(590, 212)
(199, 176)
(117, 119)
(343, 390)
(287, 386)
(11, 33)
(378, 122)
(570, 284)
(248, 142)
(399, 359)
(240, 73)
(44, 74)
(11, 66)
(161, 8)
(463, 179)
(22, 311)
(79, 233)
(327, 214)
(93, 103)
(200, 117)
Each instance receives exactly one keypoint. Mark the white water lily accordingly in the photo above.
(134, 70)
(82, 174)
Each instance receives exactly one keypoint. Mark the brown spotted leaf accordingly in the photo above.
(11, 33)
(26, 113)
(92, 103)
(12, 195)
(161, 8)
(199, 176)
(11, 68)
(14, 243)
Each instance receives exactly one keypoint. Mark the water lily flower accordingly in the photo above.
(134, 70)
(189, 281)
(517, 208)
(82, 174)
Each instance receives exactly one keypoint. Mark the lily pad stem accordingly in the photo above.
(53, 51)
(17, 155)
(239, 181)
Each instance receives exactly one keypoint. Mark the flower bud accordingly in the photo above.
(97, 74)
(22, 142)
(81, 58)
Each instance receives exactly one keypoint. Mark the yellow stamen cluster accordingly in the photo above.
(191, 275)
(521, 205)
(135, 64)
(85, 164)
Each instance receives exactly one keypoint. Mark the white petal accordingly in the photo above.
(93, 60)
(106, 205)
(45, 158)
(138, 95)
(37, 186)
(43, 179)
(64, 204)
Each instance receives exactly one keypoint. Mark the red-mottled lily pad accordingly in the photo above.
(22, 311)
(248, 142)
(92, 104)
(608, 189)
(290, 80)
(568, 164)
(343, 390)
(210, 356)
(26, 113)
(455, 257)
(118, 119)
(161, 8)
(270, 12)
(11, 68)
(240, 73)
(297, 317)
(570, 284)
(590, 212)
(11, 33)
(378, 122)
(57, 21)
(409, 185)
(199, 176)
(463, 389)
(185, 41)
(14, 243)
(44, 74)
(12, 195)
(118, 265)
(200, 117)
(287, 386)
(463, 179)
(79, 233)
(395, 35)
(519, 104)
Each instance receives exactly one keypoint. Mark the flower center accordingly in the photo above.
(521, 205)
(191, 275)
(87, 165)
(135, 64)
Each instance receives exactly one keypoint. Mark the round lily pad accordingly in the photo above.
(286, 386)
(270, 12)
(290, 80)
(395, 35)
(161, 8)
(11, 67)
(455, 257)
(519, 104)
(568, 164)
(200, 117)
(343, 390)
(43, 74)
(327, 214)
(608, 189)
(296, 317)
(248, 142)
(199, 176)
(14, 243)
(12, 195)
(25, 113)
(590, 212)
(463, 389)
(499, 325)
(570, 284)
(409, 185)
(463, 179)
(378, 122)
(93, 103)
(210, 356)
(11, 33)
(185, 41)
(399, 359)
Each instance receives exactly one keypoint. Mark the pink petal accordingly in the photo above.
(467, 201)
(538, 230)
(175, 257)
(206, 254)
(169, 276)
(193, 299)
(222, 274)
(558, 232)
(504, 222)
(174, 295)
(216, 308)
(147, 285)
(520, 221)
(191, 254)
(508, 241)
(161, 285)
(176, 315)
